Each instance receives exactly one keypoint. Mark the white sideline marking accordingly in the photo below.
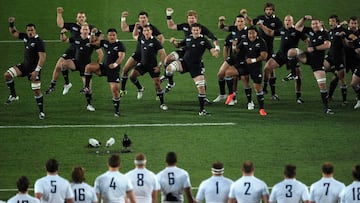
(117, 126)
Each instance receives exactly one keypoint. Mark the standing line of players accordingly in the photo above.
(245, 50)
(173, 183)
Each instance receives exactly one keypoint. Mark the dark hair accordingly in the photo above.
(240, 16)
(78, 174)
(248, 167)
(114, 161)
(52, 166)
(143, 13)
(356, 172)
(148, 26)
(218, 165)
(171, 158)
(252, 28)
(336, 17)
(268, 4)
(22, 184)
(354, 18)
(111, 30)
(195, 25)
(290, 171)
(31, 25)
(327, 168)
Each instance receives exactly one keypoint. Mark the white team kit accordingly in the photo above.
(54, 189)
(83, 193)
(351, 194)
(112, 186)
(22, 198)
(248, 189)
(214, 189)
(326, 190)
(144, 182)
(289, 191)
(173, 180)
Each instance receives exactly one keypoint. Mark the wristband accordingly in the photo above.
(123, 19)
(169, 13)
(38, 68)
(168, 17)
(11, 24)
(160, 63)
(253, 60)
(217, 48)
(115, 65)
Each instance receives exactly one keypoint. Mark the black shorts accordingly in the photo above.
(194, 69)
(69, 53)
(255, 72)
(241, 68)
(315, 61)
(26, 71)
(112, 75)
(336, 60)
(280, 59)
(142, 69)
(136, 56)
(79, 67)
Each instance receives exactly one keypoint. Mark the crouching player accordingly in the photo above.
(114, 55)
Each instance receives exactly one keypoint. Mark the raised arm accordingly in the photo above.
(12, 29)
(124, 25)
(59, 17)
(170, 22)
(300, 24)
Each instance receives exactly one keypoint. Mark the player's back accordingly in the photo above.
(351, 194)
(144, 182)
(289, 191)
(53, 188)
(326, 190)
(172, 181)
(214, 189)
(248, 189)
(83, 193)
(23, 198)
(112, 186)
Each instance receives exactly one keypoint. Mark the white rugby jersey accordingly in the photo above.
(351, 193)
(214, 190)
(326, 190)
(112, 186)
(248, 189)
(54, 189)
(173, 180)
(144, 182)
(21, 197)
(289, 191)
(83, 193)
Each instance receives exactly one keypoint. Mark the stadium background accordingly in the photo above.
(291, 133)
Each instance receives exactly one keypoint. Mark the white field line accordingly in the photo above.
(116, 126)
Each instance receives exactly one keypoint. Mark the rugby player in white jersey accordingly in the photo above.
(83, 192)
(289, 190)
(52, 188)
(216, 188)
(248, 188)
(113, 186)
(174, 181)
(327, 189)
(145, 183)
